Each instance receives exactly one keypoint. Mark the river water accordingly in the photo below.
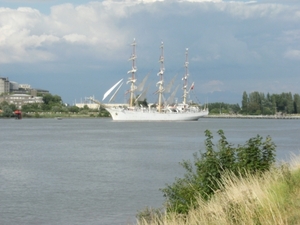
(96, 171)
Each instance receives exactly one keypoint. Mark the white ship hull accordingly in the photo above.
(121, 114)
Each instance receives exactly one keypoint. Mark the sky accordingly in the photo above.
(79, 48)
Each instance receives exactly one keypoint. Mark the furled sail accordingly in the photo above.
(130, 80)
(111, 89)
(140, 87)
(161, 72)
(133, 70)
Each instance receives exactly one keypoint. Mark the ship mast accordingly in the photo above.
(185, 77)
(132, 80)
(161, 81)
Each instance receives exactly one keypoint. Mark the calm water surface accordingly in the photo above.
(95, 171)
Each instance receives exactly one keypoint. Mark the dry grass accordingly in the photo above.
(271, 199)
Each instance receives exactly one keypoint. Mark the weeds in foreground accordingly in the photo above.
(271, 198)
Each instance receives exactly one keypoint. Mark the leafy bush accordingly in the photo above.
(7, 111)
(203, 176)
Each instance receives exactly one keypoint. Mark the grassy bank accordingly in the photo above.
(62, 115)
(273, 199)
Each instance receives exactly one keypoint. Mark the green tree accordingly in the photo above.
(2, 104)
(245, 103)
(30, 107)
(255, 103)
(103, 112)
(7, 111)
(49, 99)
(289, 103)
(296, 103)
(235, 108)
(74, 109)
(224, 108)
(274, 104)
(283, 102)
(56, 108)
(13, 107)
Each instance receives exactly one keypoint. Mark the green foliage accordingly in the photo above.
(297, 103)
(13, 107)
(49, 99)
(54, 105)
(223, 108)
(84, 112)
(245, 102)
(7, 111)
(103, 112)
(37, 115)
(258, 103)
(256, 155)
(32, 107)
(203, 176)
(74, 109)
(51, 102)
(2, 104)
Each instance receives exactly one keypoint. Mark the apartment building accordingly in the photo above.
(4, 85)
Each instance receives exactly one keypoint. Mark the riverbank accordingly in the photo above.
(97, 115)
(61, 115)
(229, 116)
(272, 198)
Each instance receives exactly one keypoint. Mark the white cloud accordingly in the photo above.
(73, 38)
(293, 54)
(291, 36)
(218, 33)
(25, 29)
(213, 86)
(17, 41)
(229, 41)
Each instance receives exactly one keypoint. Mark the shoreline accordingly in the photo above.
(228, 116)
(216, 116)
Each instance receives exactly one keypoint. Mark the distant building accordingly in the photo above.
(21, 99)
(19, 94)
(90, 105)
(4, 85)
(7, 86)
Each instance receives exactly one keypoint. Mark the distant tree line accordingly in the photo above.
(223, 108)
(258, 103)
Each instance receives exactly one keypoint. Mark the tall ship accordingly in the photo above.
(164, 109)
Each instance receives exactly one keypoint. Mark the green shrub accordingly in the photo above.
(203, 176)
(37, 115)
